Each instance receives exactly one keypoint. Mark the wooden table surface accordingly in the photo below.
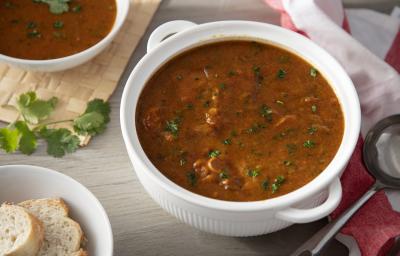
(140, 226)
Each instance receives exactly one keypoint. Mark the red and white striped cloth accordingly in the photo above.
(367, 44)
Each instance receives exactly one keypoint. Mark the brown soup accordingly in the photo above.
(239, 121)
(29, 29)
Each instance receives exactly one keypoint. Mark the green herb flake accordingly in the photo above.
(58, 24)
(312, 130)
(255, 128)
(189, 106)
(253, 172)
(265, 184)
(31, 25)
(257, 75)
(314, 108)
(227, 141)
(223, 175)
(34, 34)
(313, 72)
(172, 127)
(281, 74)
(266, 112)
(214, 153)
(77, 8)
(277, 183)
(309, 144)
(206, 104)
(191, 177)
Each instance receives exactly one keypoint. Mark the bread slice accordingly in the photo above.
(63, 236)
(80, 253)
(21, 234)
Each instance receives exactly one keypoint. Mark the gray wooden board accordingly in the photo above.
(141, 227)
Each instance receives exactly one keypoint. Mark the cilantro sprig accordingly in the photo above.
(23, 135)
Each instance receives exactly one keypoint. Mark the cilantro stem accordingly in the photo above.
(57, 122)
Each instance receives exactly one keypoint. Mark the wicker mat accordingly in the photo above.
(75, 87)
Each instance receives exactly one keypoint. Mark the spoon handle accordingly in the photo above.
(318, 241)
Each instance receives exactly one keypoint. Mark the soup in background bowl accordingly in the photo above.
(216, 102)
(47, 36)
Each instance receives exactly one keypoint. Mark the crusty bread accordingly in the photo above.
(21, 234)
(63, 236)
(80, 253)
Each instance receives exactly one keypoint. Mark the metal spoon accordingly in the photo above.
(381, 153)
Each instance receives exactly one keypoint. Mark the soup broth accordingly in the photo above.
(239, 121)
(30, 30)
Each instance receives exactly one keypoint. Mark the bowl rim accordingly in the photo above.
(121, 15)
(47, 171)
(139, 158)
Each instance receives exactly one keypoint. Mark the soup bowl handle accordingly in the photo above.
(296, 215)
(166, 30)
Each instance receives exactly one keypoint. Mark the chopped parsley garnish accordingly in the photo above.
(31, 25)
(312, 130)
(255, 128)
(189, 106)
(314, 108)
(277, 183)
(34, 34)
(266, 112)
(253, 172)
(309, 144)
(172, 127)
(227, 141)
(223, 175)
(265, 184)
(221, 86)
(191, 176)
(257, 75)
(313, 72)
(58, 24)
(214, 153)
(77, 8)
(281, 74)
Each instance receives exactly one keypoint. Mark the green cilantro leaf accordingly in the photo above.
(55, 6)
(9, 139)
(59, 141)
(28, 141)
(93, 120)
(89, 124)
(214, 153)
(34, 110)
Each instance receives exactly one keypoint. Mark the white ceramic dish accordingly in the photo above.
(23, 182)
(311, 202)
(74, 60)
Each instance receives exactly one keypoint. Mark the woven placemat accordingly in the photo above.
(97, 78)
